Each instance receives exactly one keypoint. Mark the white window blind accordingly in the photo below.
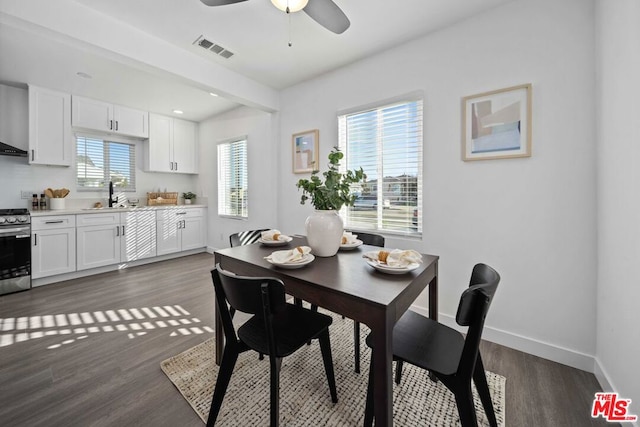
(233, 179)
(386, 141)
(99, 161)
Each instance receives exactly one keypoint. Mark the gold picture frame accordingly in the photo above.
(305, 147)
(497, 124)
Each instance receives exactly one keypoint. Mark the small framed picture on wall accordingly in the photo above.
(305, 151)
(497, 124)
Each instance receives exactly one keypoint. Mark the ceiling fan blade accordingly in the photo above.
(327, 14)
(220, 2)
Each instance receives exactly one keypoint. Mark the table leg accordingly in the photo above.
(433, 296)
(382, 375)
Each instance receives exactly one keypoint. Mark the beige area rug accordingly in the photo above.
(304, 393)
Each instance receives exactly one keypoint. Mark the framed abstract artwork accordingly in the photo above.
(305, 151)
(497, 124)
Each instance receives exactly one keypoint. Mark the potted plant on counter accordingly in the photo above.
(324, 227)
(188, 197)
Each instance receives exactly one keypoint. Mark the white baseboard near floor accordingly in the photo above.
(548, 351)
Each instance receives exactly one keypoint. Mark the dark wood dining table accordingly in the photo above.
(346, 285)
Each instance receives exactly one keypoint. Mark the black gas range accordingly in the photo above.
(15, 250)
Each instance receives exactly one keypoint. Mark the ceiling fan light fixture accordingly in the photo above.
(291, 5)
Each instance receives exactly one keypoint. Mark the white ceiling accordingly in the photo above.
(254, 30)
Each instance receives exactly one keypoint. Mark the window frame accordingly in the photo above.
(107, 140)
(228, 211)
(413, 229)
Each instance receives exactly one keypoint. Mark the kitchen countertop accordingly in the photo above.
(76, 211)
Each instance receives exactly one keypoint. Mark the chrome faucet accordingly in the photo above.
(111, 194)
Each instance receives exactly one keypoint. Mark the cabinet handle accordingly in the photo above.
(123, 225)
(184, 224)
(117, 231)
(116, 125)
(171, 165)
(54, 222)
(35, 239)
(181, 213)
(33, 155)
(176, 165)
(110, 124)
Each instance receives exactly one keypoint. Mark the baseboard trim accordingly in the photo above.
(538, 348)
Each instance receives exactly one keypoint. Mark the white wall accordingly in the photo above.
(618, 332)
(260, 129)
(532, 219)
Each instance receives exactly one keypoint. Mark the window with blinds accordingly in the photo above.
(233, 179)
(386, 141)
(99, 161)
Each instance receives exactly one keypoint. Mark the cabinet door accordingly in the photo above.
(138, 235)
(159, 154)
(168, 233)
(92, 114)
(185, 146)
(98, 245)
(193, 233)
(53, 252)
(49, 127)
(129, 121)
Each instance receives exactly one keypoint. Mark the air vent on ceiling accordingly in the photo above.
(213, 47)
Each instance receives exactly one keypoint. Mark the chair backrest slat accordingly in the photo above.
(245, 237)
(245, 293)
(370, 238)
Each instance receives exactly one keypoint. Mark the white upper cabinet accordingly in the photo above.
(50, 138)
(172, 145)
(106, 117)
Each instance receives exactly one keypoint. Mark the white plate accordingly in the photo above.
(349, 246)
(286, 239)
(384, 268)
(308, 258)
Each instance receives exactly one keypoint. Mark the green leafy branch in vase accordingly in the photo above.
(335, 192)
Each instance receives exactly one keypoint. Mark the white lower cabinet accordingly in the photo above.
(138, 235)
(113, 237)
(53, 249)
(98, 240)
(180, 230)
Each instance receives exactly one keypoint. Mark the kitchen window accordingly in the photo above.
(233, 178)
(386, 141)
(99, 161)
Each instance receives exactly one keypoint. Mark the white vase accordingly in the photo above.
(324, 232)
(187, 201)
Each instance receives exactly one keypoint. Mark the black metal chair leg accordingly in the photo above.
(276, 364)
(229, 358)
(480, 380)
(399, 371)
(325, 348)
(356, 346)
(466, 408)
(368, 409)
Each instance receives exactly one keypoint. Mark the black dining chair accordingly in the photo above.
(246, 237)
(367, 239)
(445, 352)
(276, 329)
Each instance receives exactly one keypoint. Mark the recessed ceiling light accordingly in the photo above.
(84, 75)
(213, 94)
(178, 111)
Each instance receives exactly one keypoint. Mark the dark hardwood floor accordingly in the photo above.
(87, 352)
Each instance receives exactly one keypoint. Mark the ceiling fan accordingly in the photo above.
(324, 12)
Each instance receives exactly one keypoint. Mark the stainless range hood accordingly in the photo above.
(7, 150)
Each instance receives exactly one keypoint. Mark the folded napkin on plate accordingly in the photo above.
(296, 254)
(348, 238)
(272, 235)
(397, 258)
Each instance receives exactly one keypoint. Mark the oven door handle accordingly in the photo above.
(17, 232)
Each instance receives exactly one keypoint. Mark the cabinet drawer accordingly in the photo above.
(189, 213)
(52, 222)
(178, 213)
(106, 218)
